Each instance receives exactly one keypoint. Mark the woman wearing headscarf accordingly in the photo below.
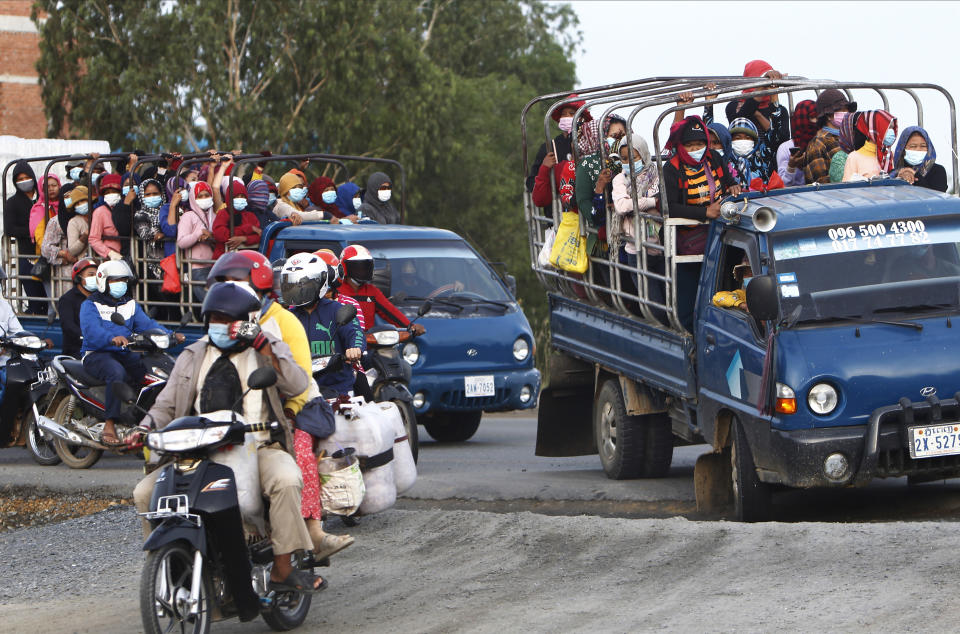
(876, 132)
(195, 235)
(168, 216)
(790, 153)
(914, 160)
(291, 191)
(16, 224)
(104, 235)
(53, 245)
(349, 199)
(770, 118)
(750, 156)
(38, 213)
(846, 137)
(595, 170)
(323, 195)
(246, 228)
(77, 217)
(258, 202)
(376, 202)
(720, 142)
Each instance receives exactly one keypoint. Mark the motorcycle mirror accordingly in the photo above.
(262, 378)
(51, 317)
(117, 318)
(152, 313)
(424, 308)
(335, 364)
(186, 319)
(123, 391)
(345, 314)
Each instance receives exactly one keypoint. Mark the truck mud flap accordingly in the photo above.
(565, 422)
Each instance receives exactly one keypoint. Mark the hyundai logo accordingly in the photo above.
(472, 352)
(928, 391)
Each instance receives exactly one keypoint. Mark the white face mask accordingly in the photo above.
(357, 203)
(384, 194)
(743, 147)
(566, 124)
(111, 199)
(914, 157)
(205, 203)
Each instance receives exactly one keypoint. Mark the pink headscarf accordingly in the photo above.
(37, 211)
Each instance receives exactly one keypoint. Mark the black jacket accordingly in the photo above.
(16, 209)
(936, 179)
(564, 148)
(69, 308)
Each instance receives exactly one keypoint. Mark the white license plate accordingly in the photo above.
(479, 386)
(935, 440)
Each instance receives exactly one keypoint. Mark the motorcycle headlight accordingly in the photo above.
(521, 349)
(32, 342)
(186, 439)
(160, 341)
(822, 398)
(387, 337)
(411, 353)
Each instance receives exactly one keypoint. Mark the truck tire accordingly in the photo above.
(751, 497)
(452, 426)
(658, 450)
(630, 446)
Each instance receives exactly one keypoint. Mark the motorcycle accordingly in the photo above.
(388, 373)
(78, 421)
(26, 391)
(193, 549)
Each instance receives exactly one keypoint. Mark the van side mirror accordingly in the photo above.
(262, 378)
(345, 314)
(762, 297)
(511, 284)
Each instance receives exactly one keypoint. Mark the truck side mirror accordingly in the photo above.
(762, 297)
(511, 284)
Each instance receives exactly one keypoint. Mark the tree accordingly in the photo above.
(435, 84)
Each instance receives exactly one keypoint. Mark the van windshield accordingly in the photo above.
(444, 269)
(860, 270)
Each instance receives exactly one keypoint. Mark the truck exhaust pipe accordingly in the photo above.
(764, 218)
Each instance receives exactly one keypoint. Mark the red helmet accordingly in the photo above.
(357, 263)
(81, 264)
(333, 262)
(243, 265)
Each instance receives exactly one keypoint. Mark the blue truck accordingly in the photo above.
(839, 368)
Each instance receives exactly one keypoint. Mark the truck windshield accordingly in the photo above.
(860, 270)
(444, 269)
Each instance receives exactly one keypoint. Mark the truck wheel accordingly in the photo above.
(658, 450)
(751, 497)
(630, 446)
(452, 426)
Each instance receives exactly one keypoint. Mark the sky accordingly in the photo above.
(910, 42)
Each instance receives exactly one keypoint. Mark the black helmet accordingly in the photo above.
(234, 299)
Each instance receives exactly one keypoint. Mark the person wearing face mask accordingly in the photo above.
(246, 227)
(769, 117)
(104, 236)
(78, 226)
(349, 200)
(323, 194)
(54, 246)
(790, 153)
(751, 157)
(104, 351)
(914, 160)
(16, 224)
(876, 132)
(695, 178)
(291, 193)
(847, 140)
(258, 202)
(84, 276)
(377, 203)
(560, 147)
(831, 107)
(38, 213)
(595, 169)
(195, 236)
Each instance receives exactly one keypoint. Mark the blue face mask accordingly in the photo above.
(697, 155)
(118, 289)
(914, 157)
(152, 201)
(90, 283)
(239, 204)
(271, 198)
(746, 281)
(82, 208)
(219, 335)
(329, 197)
(637, 166)
(298, 193)
(67, 201)
(126, 190)
(889, 137)
(74, 173)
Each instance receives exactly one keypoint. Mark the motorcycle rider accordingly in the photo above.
(84, 284)
(211, 374)
(104, 351)
(336, 281)
(358, 272)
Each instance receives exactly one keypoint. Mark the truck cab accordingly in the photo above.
(478, 349)
(820, 353)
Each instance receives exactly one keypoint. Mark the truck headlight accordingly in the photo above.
(521, 349)
(411, 353)
(822, 398)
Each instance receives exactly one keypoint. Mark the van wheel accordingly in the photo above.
(452, 426)
(751, 497)
(630, 446)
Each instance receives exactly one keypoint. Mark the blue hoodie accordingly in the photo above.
(321, 332)
(98, 330)
(345, 194)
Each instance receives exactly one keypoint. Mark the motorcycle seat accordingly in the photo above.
(76, 370)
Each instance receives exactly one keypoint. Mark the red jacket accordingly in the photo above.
(563, 174)
(373, 302)
(221, 230)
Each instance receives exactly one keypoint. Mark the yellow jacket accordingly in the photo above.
(289, 328)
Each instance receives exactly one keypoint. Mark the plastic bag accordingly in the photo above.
(171, 276)
(543, 258)
(569, 251)
(341, 482)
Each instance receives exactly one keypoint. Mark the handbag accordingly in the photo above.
(316, 418)
(41, 269)
(569, 251)
(171, 275)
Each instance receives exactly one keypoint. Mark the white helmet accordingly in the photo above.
(304, 279)
(112, 268)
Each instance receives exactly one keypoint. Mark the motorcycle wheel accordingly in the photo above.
(74, 456)
(410, 424)
(42, 451)
(164, 588)
(288, 612)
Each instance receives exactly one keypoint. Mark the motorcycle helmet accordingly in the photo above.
(112, 269)
(333, 262)
(304, 279)
(242, 265)
(357, 263)
(78, 268)
(261, 271)
(277, 270)
(236, 300)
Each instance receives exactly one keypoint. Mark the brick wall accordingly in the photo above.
(21, 107)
